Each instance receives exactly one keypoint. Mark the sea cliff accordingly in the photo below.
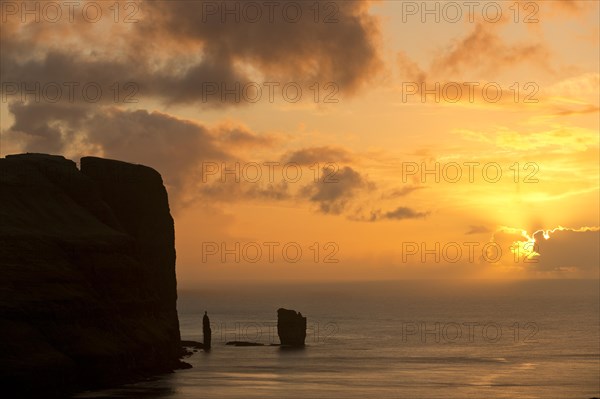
(87, 270)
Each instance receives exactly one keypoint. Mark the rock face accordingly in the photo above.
(87, 271)
(291, 327)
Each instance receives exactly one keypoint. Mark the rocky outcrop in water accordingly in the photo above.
(87, 271)
(206, 331)
(244, 343)
(291, 327)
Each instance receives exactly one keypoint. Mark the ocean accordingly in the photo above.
(408, 339)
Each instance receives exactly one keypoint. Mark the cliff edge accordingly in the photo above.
(87, 269)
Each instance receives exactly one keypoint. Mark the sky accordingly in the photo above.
(330, 141)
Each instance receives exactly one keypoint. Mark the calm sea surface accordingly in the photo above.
(391, 340)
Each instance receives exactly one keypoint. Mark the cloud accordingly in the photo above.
(587, 109)
(483, 49)
(277, 48)
(312, 155)
(569, 251)
(333, 197)
(181, 55)
(231, 191)
(484, 52)
(171, 145)
(561, 140)
(409, 69)
(576, 95)
(37, 126)
(237, 136)
(179, 149)
(402, 192)
(402, 212)
(561, 251)
(478, 230)
(169, 56)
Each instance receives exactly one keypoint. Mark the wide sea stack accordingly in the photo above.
(291, 328)
(87, 270)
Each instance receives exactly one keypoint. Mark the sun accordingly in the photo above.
(526, 249)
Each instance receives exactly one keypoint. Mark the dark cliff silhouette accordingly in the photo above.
(291, 328)
(206, 331)
(87, 262)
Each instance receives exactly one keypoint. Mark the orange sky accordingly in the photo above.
(376, 213)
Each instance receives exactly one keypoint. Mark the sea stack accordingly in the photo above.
(87, 266)
(291, 328)
(206, 331)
